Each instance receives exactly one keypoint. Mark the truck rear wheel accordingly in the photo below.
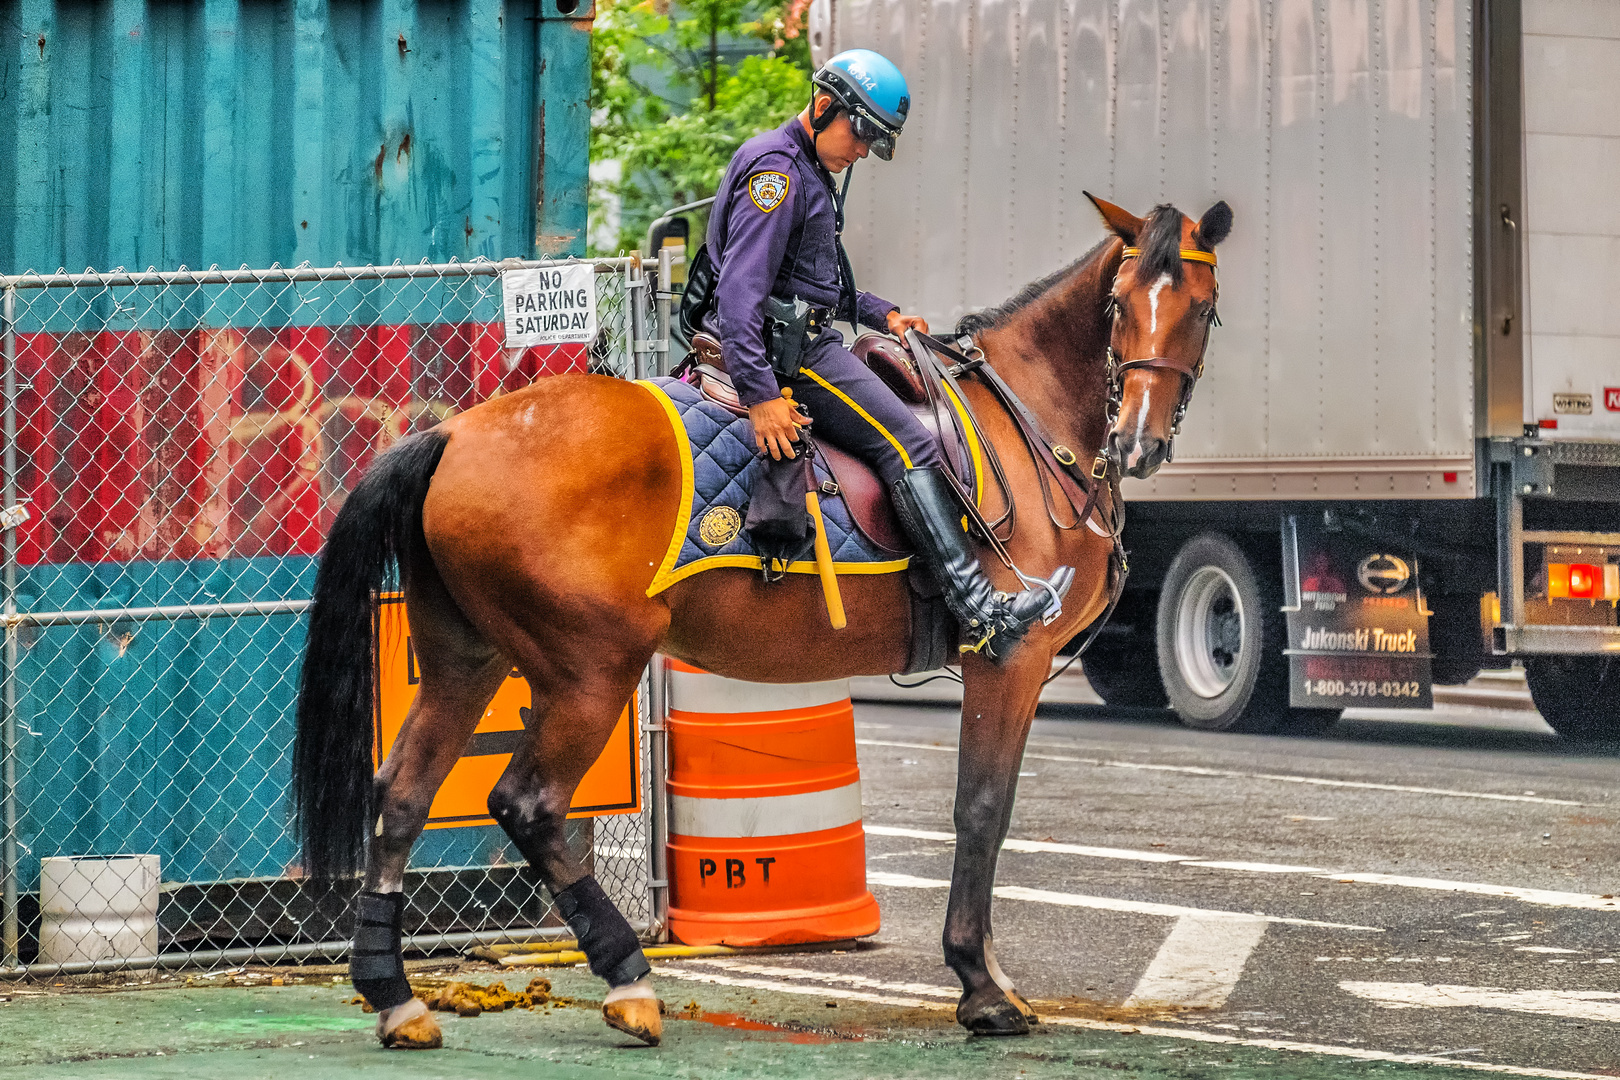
(1220, 640)
(1122, 665)
(1579, 696)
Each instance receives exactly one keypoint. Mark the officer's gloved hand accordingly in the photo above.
(776, 425)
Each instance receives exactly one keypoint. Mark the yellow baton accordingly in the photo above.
(824, 565)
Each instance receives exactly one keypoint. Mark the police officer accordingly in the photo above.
(774, 238)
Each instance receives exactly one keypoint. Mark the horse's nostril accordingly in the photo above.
(1143, 457)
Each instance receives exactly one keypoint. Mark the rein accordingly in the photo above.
(1080, 487)
(1048, 456)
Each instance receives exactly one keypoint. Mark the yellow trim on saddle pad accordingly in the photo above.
(667, 575)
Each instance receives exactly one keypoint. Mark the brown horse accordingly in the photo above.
(527, 531)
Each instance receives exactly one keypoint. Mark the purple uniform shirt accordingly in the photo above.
(774, 185)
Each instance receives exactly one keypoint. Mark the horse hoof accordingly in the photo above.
(1024, 1007)
(991, 1012)
(407, 1028)
(637, 1017)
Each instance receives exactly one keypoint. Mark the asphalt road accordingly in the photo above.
(1406, 884)
(1408, 897)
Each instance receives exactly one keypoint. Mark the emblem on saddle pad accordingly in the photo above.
(719, 526)
(768, 189)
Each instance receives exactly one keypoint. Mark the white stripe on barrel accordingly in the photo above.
(701, 692)
(775, 815)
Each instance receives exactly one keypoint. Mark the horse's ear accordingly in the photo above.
(1216, 223)
(1125, 225)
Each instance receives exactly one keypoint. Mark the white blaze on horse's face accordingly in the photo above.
(1153, 301)
(1143, 412)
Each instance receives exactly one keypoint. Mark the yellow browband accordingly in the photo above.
(1187, 255)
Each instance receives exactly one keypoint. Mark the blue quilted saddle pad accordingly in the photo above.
(718, 466)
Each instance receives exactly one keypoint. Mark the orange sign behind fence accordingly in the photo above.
(611, 786)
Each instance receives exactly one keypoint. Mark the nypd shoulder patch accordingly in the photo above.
(768, 189)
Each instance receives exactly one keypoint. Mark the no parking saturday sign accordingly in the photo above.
(611, 786)
(549, 305)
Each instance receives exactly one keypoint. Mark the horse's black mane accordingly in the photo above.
(1160, 242)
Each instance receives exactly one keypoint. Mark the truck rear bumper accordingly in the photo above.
(1566, 480)
(1554, 640)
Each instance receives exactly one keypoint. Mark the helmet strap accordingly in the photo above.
(818, 124)
(843, 193)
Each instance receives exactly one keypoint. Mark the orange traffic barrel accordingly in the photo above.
(765, 838)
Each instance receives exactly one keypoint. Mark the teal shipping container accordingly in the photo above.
(181, 443)
(138, 133)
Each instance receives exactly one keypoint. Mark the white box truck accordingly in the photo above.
(1419, 361)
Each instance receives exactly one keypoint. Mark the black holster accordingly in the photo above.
(787, 334)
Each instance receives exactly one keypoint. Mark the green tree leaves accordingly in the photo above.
(671, 102)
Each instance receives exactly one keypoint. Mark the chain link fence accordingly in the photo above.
(175, 448)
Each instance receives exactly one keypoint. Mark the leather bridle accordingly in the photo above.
(1190, 370)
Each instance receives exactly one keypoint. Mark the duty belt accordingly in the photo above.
(820, 319)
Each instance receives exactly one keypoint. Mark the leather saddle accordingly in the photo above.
(868, 501)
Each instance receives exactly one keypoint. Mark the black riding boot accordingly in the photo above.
(992, 621)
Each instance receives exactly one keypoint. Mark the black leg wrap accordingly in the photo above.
(376, 965)
(604, 934)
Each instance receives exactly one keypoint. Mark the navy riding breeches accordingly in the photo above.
(857, 412)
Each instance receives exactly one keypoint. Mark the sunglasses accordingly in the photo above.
(878, 139)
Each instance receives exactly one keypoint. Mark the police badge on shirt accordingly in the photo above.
(768, 189)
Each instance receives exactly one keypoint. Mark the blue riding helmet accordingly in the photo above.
(871, 89)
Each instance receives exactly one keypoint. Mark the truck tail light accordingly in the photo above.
(1583, 581)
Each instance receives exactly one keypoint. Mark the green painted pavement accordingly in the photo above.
(308, 1032)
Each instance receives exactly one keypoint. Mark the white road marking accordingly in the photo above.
(859, 981)
(1199, 964)
(1574, 1004)
(1102, 903)
(668, 971)
(1544, 897)
(1036, 845)
(1255, 867)
(1185, 1034)
(1287, 778)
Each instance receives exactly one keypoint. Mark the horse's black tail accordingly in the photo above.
(378, 528)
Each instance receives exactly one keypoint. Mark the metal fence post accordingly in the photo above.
(635, 292)
(657, 811)
(8, 698)
(645, 351)
(666, 301)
